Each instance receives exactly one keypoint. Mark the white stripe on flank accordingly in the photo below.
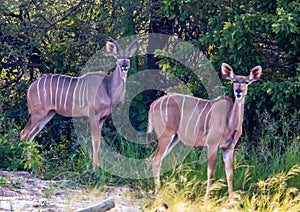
(28, 94)
(206, 120)
(51, 89)
(85, 90)
(198, 119)
(188, 122)
(56, 91)
(150, 127)
(167, 107)
(44, 89)
(38, 89)
(80, 92)
(160, 111)
(68, 89)
(74, 95)
(62, 90)
(182, 107)
(154, 110)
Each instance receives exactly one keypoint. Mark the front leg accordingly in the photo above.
(212, 156)
(228, 158)
(94, 122)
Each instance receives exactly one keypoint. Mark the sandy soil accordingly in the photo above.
(20, 191)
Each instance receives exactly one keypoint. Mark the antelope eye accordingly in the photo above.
(234, 81)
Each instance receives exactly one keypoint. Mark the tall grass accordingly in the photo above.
(266, 174)
(271, 194)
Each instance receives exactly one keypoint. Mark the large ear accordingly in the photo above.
(112, 49)
(255, 74)
(132, 48)
(227, 71)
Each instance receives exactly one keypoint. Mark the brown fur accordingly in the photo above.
(91, 95)
(215, 124)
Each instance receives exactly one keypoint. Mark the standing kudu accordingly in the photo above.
(91, 95)
(215, 124)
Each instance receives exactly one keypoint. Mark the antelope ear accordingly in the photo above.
(111, 49)
(227, 71)
(132, 48)
(255, 73)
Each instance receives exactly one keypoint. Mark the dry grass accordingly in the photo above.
(272, 194)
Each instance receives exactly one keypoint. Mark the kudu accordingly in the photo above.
(91, 95)
(215, 124)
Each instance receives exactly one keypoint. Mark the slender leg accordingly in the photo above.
(227, 158)
(35, 124)
(95, 141)
(210, 171)
(98, 145)
(41, 125)
(165, 144)
(35, 128)
(213, 140)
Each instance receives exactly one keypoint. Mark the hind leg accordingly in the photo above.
(165, 144)
(35, 128)
(35, 124)
(41, 125)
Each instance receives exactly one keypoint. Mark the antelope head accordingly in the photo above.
(122, 56)
(240, 83)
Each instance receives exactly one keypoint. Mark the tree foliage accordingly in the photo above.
(59, 36)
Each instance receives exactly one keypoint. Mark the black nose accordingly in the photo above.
(238, 92)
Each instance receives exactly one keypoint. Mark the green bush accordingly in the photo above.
(11, 149)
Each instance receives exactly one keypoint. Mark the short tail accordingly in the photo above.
(149, 131)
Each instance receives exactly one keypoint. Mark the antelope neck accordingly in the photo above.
(117, 85)
(237, 113)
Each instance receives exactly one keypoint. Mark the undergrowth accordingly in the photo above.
(266, 174)
(271, 194)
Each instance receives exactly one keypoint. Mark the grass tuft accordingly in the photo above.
(271, 194)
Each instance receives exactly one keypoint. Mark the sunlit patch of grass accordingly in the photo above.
(271, 194)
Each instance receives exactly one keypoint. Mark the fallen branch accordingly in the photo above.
(100, 207)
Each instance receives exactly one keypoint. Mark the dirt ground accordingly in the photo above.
(20, 191)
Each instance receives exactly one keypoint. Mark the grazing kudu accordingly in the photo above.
(91, 95)
(215, 124)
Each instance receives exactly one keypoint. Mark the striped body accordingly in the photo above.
(91, 95)
(66, 95)
(215, 124)
(189, 117)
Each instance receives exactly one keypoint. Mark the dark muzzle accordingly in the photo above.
(238, 92)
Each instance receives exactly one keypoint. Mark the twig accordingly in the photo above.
(100, 207)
